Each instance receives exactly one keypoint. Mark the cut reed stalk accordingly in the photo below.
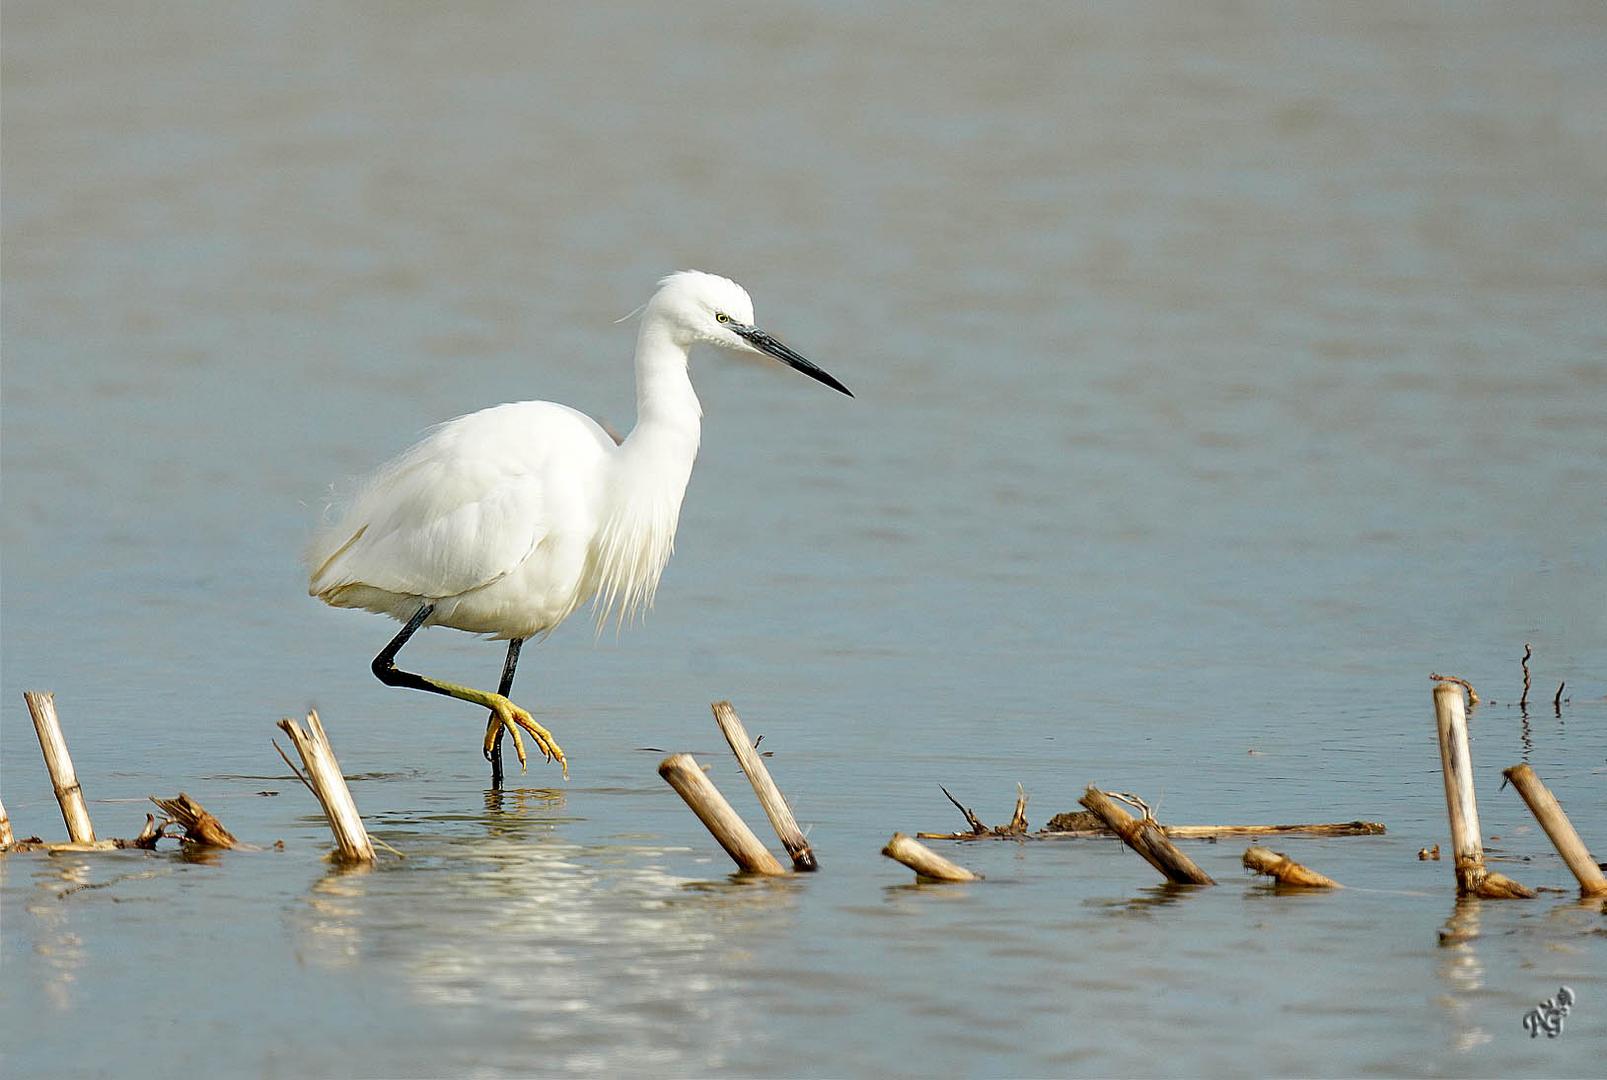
(6, 838)
(770, 797)
(1285, 870)
(328, 785)
(1146, 837)
(1467, 848)
(1548, 811)
(681, 772)
(42, 707)
(927, 864)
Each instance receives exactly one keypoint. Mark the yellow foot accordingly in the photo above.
(505, 714)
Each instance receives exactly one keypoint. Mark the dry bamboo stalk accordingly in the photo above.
(770, 797)
(42, 707)
(1178, 832)
(1336, 828)
(1467, 849)
(329, 786)
(1548, 811)
(1145, 837)
(200, 827)
(926, 863)
(682, 773)
(1277, 865)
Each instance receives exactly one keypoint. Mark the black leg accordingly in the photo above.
(384, 665)
(504, 713)
(508, 667)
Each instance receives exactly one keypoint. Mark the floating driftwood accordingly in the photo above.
(927, 864)
(324, 779)
(1467, 849)
(42, 707)
(1084, 824)
(1548, 811)
(1285, 870)
(1144, 836)
(681, 772)
(200, 827)
(775, 806)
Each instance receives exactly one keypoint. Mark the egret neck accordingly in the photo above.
(650, 475)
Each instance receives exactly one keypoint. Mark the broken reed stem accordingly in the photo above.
(770, 797)
(1277, 865)
(1333, 828)
(200, 827)
(1473, 695)
(6, 838)
(926, 863)
(1548, 811)
(325, 779)
(1556, 701)
(42, 707)
(681, 772)
(1467, 849)
(1145, 837)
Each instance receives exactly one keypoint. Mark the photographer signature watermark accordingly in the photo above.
(1549, 1014)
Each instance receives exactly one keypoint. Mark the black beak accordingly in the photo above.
(769, 345)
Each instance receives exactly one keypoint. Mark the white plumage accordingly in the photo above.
(504, 521)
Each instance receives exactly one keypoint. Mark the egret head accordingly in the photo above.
(712, 310)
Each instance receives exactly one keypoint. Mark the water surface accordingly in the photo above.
(1222, 370)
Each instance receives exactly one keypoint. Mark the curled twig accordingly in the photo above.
(1473, 695)
(1523, 702)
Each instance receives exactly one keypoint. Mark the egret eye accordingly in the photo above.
(721, 317)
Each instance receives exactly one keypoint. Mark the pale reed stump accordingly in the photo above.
(775, 806)
(682, 773)
(1467, 848)
(1284, 870)
(328, 785)
(6, 839)
(926, 863)
(1548, 811)
(42, 707)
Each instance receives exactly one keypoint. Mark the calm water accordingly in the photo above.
(1222, 371)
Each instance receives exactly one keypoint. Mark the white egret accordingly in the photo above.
(503, 522)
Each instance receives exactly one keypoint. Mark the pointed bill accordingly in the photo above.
(771, 347)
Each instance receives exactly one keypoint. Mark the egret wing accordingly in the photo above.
(435, 528)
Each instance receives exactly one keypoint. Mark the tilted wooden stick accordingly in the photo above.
(1145, 837)
(770, 797)
(329, 786)
(1277, 865)
(1467, 848)
(42, 707)
(1548, 811)
(682, 773)
(925, 862)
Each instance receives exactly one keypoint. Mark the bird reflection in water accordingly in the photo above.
(529, 934)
